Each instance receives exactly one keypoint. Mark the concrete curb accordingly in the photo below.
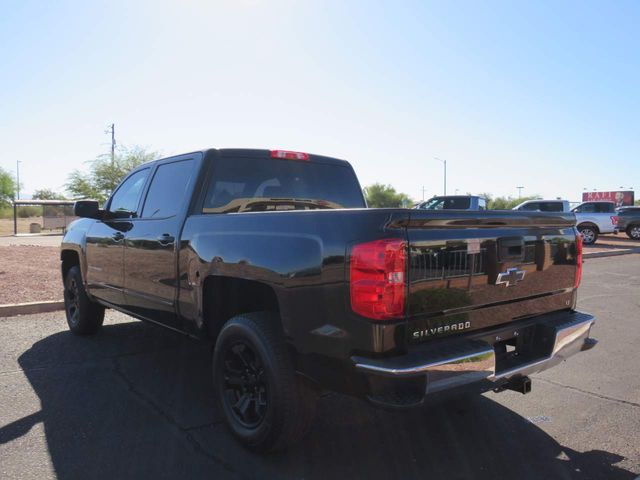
(13, 309)
(613, 253)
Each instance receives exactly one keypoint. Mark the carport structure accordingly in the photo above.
(55, 213)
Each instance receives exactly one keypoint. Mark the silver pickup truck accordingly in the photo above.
(594, 218)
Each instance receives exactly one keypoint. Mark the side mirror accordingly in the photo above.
(87, 209)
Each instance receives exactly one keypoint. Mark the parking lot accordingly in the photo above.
(135, 402)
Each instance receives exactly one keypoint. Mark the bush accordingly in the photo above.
(29, 211)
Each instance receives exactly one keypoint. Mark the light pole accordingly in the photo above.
(445, 173)
(519, 191)
(112, 130)
(18, 162)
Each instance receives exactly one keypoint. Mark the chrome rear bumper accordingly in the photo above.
(474, 361)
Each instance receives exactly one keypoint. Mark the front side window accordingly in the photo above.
(586, 208)
(127, 196)
(447, 203)
(531, 207)
(168, 190)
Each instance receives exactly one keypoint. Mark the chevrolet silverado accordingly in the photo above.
(273, 257)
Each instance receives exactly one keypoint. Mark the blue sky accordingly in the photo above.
(540, 94)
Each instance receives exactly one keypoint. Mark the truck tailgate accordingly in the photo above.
(474, 270)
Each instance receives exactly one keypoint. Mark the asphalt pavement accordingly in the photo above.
(135, 402)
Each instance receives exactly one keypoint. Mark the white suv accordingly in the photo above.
(594, 218)
(544, 206)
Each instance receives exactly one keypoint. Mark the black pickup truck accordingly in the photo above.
(274, 257)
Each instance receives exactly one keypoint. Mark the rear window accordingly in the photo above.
(259, 185)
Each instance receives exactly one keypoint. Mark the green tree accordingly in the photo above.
(7, 188)
(104, 175)
(47, 194)
(385, 196)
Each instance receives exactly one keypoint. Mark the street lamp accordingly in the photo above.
(519, 191)
(445, 173)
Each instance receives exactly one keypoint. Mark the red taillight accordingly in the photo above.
(614, 220)
(377, 278)
(287, 155)
(578, 260)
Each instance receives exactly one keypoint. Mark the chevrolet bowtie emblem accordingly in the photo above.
(510, 277)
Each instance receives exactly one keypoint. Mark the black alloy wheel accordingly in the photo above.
(84, 316)
(245, 389)
(266, 405)
(72, 301)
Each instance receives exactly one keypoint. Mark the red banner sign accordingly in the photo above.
(620, 198)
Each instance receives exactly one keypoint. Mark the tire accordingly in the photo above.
(84, 317)
(265, 404)
(633, 232)
(589, 234)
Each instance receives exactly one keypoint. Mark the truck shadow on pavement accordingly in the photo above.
(134, 401)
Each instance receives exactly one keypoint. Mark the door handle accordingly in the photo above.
(118, 236)
(165, 239)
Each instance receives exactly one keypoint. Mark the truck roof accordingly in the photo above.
(259, 153)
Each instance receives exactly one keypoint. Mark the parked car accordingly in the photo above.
(594, 218)
(544, 206)
(454, 202)
(629, 221)
(273, 257)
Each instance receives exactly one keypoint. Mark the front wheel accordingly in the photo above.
(265, 404)
(634, 232)
(589, 234)
(84, 317)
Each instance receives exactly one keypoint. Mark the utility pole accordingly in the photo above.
(519, 191)
(18, 162)
(112, 129)
(445, 173)
(423, 193)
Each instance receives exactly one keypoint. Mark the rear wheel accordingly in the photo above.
(265, 404)
(84, 317)
(634, 232)
(589, 234)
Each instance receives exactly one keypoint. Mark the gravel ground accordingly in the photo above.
(29, 274)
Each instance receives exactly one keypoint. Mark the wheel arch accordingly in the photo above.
(225, 297)
(69, 258)
(589, 224)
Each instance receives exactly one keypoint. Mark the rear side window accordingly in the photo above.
(605, 207)
(482, 204)
(168, 190)
(550, 206)
(257, 185)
